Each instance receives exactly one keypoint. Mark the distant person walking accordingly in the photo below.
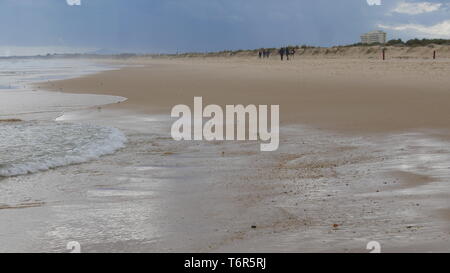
(293, 52)
(260, 54)
(281, 52)
(286, 50)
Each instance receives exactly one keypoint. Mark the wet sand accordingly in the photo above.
(364, 156)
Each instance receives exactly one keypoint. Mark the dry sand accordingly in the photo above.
(361, 95)
(363, 154)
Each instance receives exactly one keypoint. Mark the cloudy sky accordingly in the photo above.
(207, 25)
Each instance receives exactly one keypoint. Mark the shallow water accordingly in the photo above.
(19, 99)
(28, 147)
(17, 73)
(39, 143)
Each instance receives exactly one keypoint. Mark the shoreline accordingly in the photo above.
(22, 97)
(324, 190)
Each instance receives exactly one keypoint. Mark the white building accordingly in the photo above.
(376, 36)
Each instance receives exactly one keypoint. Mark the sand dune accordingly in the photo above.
(339, 52)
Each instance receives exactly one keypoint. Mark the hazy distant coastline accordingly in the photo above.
(353, 51)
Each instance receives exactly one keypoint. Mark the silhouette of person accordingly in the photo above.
(281, 51)
(293, 53)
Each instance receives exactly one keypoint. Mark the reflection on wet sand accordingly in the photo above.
(322, 191)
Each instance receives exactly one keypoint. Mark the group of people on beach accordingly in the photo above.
(284, 51)
(264, 53)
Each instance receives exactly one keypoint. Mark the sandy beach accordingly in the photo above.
(363, 157)
(365, 96)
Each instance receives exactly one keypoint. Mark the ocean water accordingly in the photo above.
(18, 99)
(30, 147)
(39, 142)
(16, 73)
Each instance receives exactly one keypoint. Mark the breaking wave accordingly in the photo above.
(29, 147)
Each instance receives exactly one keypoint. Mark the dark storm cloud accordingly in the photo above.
(192, 25)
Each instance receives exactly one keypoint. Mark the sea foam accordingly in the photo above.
(29, 147)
